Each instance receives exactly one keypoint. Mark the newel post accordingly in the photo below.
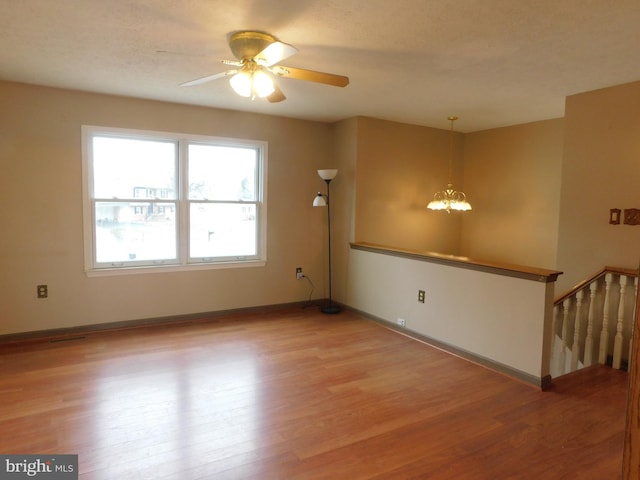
(631, 455)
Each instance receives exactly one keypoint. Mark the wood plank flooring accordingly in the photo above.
(295, 394)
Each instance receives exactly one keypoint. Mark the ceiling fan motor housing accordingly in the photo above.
(249, 44)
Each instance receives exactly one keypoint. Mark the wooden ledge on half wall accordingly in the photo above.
(506, 269)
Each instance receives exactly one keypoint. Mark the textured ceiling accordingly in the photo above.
(491, 62)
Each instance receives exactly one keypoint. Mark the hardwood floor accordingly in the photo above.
(299, 395)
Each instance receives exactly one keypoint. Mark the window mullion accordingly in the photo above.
(183, 200)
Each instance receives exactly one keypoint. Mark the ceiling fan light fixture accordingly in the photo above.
(252, 83)
(258, 55)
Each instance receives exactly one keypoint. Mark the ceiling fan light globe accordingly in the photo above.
(241, 84)
(262, 84)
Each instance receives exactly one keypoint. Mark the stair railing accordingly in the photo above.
(602, 334)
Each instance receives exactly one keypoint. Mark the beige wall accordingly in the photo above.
(400, 167)
(343, 190)
(41, 212)
(601, 170)
(512, 177)
(533, 203)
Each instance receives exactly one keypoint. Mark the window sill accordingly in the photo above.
(138, 270)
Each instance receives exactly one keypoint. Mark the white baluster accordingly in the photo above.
(588, 342)
(617, 343)
(575, 349)
(565, 323)
(554, 341)
(633, 319)
(604, 334)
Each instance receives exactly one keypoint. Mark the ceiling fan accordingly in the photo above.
(258, 55)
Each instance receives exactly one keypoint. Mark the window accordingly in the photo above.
(169, 200)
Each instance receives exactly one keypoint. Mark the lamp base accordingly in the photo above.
(331, 309)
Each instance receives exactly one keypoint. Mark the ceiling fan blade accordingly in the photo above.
(276, 96)
(208, 78)
(275, 53)
(311, 76)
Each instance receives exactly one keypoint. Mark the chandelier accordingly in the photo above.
(449, 199)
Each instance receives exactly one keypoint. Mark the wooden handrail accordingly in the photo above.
(629, 272)
(510, 270)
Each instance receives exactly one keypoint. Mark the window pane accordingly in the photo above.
(135, 231)
(133, 168)
(222, 173)
(222, 230)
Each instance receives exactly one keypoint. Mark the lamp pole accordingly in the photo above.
(331, 308)
(327, 176)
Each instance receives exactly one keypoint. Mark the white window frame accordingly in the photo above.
(92, 268)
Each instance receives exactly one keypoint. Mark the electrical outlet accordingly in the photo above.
(421, 296)
(299, 274)
(402, 322)
(43, 291)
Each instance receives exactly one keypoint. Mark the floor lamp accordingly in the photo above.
(323, 201)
